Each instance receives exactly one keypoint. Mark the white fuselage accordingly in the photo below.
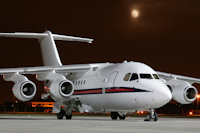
(123, 87)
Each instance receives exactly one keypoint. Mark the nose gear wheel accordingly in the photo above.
(151, 116)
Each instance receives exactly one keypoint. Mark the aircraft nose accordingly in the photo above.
(163, 95)
(166, 94)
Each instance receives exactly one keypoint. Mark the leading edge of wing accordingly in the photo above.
(169, 76)
(41, 69)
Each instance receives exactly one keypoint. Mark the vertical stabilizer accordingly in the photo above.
(49, 51)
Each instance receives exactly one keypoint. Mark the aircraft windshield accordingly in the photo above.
(146, 76)
(134, 77)
(155, 76)
(127, 76)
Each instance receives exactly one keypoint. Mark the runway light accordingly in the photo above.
(191, 113)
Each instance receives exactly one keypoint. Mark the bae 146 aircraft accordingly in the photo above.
(106, 87)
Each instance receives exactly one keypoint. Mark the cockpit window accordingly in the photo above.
(134, 77)
(146, 76)
(155, 76)
(127, 76)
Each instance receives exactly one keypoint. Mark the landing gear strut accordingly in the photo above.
(115, 115)
(151, 116)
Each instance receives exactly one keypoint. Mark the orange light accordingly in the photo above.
(142, 112)
(198, 96)
(190, 113)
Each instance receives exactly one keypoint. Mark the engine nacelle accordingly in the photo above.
(24, 90)
(184, 95)
(61, 88)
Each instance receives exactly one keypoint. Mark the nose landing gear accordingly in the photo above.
(151, 116)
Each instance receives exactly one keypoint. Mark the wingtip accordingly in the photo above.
(90, 41)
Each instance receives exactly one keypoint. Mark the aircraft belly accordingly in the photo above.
(119, 101)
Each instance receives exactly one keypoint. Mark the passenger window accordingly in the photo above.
(134, 77)
(146, 76)
(155, 76)
(127, 76)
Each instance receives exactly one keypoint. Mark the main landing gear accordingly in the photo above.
(64, 113)
(115, 115)
(151, 116)
(74, 105)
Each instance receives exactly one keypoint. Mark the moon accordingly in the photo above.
(135, 13)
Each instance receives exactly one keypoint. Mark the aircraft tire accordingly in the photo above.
(68, 117)
(148, 117)
(60, 116)
(155, 117)
(114, 115)
(122, 117)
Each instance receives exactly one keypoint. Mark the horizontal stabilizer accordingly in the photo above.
(42, 35)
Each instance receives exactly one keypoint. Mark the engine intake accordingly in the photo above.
(24, 90)
(61, 88)
(66, 88)
(191, 92)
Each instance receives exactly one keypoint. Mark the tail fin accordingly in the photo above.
(49, 51)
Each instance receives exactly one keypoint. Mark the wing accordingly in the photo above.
(169, 76)
(43, 72)
(43, 69)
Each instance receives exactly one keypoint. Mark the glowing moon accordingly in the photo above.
(135, 13)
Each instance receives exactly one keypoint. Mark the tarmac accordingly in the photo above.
(82, 124)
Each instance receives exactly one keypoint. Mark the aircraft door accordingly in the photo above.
(112, 78)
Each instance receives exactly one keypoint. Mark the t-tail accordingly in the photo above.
(49, 50)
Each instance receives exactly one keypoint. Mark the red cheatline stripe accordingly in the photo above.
(88, 91)
(119, 90)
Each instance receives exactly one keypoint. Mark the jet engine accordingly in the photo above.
(61, 88)
(24, 90)
(184, 95)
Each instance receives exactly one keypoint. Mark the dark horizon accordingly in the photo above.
(165, 36)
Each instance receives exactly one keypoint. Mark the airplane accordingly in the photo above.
(115, 88)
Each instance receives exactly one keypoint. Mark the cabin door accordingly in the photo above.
(111, 81)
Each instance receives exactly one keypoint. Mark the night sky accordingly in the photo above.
(164, 36)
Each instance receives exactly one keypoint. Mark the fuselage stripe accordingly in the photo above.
(119, 90)
(107, 90)
(88, 91)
